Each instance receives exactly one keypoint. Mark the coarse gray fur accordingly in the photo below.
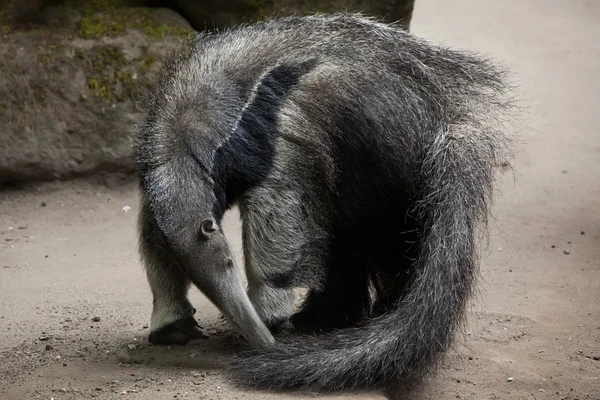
(362, 159)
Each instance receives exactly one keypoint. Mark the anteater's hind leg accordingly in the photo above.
(391, 269)
(341, 301)
(172, 319)
(380, 260)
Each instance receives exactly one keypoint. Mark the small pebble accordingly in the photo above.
(566, 252)
(553, 246)
(43, 204)
(44, 338)
(123, 357)
(510, 379)
(23, 227)
(49, 347)
(582, 232)
(126, 209)
(96, 319)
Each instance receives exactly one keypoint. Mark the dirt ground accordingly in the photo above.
(74, 302)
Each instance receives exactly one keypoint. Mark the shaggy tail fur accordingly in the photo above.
(457, 177)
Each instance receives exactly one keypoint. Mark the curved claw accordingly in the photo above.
(180, 332)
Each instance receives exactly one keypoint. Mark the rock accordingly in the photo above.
(71, 73)
(96, 319)
(70, 91)
(169, 17)
(123, 357)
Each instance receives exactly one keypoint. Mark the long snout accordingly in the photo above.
(225, 290)
(232, 300)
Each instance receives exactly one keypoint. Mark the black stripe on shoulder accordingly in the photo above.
(246, 159)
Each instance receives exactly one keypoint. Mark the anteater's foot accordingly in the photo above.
(180, 332)
(312, 320)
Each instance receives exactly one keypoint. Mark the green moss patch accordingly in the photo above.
(111, 77)
(112, 17)
(5, 23)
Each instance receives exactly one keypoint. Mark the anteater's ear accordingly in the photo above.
(269, 94)
(207, 228)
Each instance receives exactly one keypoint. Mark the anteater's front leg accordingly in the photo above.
(172, 319)
(282, 247)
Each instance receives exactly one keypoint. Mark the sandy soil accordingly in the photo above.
(74, 302)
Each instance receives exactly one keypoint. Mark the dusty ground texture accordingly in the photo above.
(74, 302)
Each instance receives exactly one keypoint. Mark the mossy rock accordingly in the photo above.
(69, 94)
(113, 17)
(71, 75)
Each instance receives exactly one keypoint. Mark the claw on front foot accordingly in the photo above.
(180, 332)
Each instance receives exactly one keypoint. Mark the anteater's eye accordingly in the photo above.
(229, 264)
